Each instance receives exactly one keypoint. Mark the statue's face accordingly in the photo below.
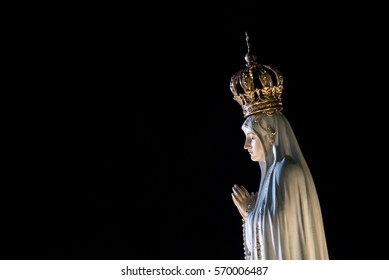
(253, 145)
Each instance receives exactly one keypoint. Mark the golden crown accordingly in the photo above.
(262, 86)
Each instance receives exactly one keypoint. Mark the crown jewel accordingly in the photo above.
(262, 86)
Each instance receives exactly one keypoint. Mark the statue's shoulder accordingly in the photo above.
(288, 170)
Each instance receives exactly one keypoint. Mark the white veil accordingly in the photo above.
(286, 222)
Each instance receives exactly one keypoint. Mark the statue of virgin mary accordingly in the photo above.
(283, 219)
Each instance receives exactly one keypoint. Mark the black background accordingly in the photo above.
(123, 140)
